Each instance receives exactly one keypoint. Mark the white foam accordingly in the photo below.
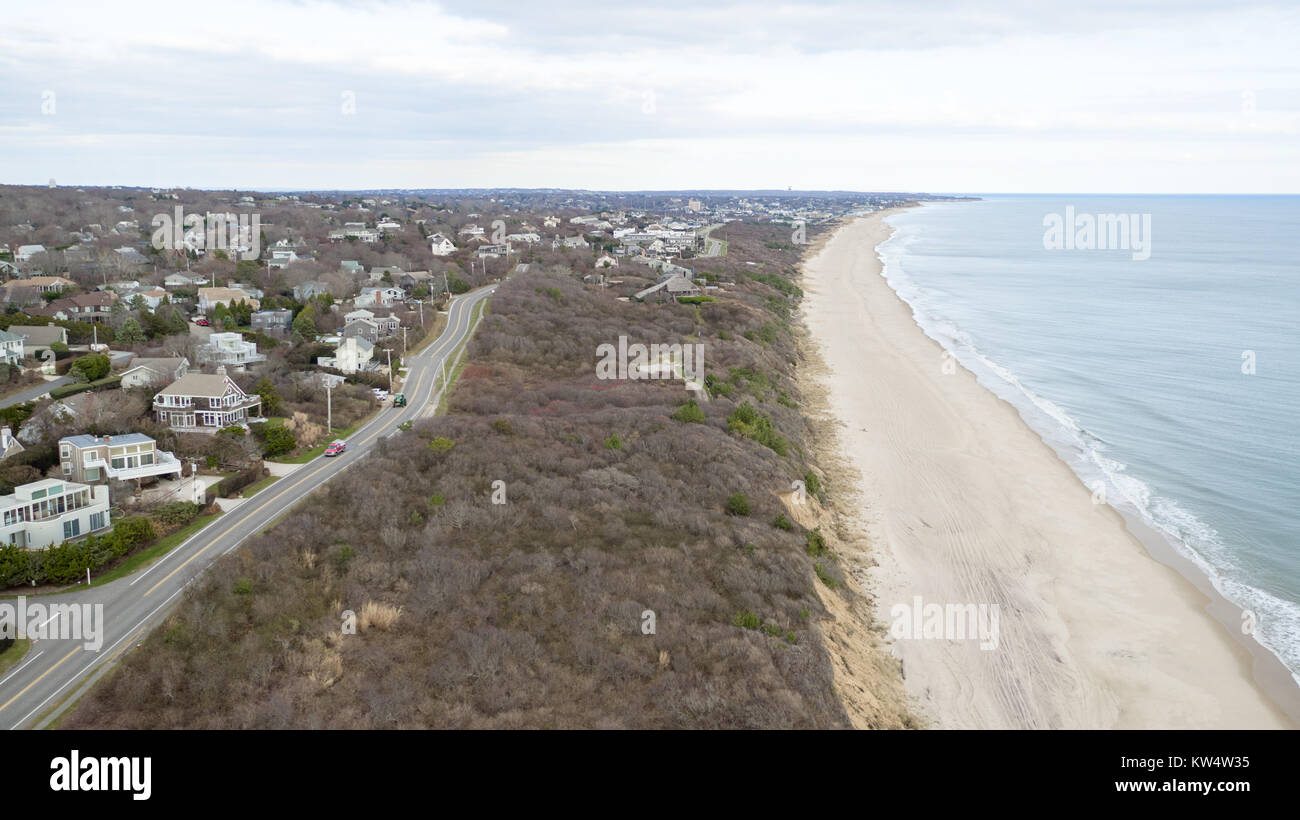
(1278, 620)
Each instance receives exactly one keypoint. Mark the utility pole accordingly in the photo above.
(403, 341)
(390, 369)
(329, 406)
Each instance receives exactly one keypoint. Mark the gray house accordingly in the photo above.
(273, 322)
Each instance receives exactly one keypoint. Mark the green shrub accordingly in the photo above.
(737, 504)
(441, 445)
(746, 619)
(782, 523)
(504, 427)
(178, 513)
(812, 483)
(614, 442)
(244, 586)
(816, 543)
(690, 413)
(750, 423)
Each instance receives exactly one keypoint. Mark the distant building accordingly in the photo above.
(273, 322)
(38, 338)
(230, 349)
(353, 354)
(151, 372)
(11, 347)
(440, 245)
(51, 511)
(209, 298)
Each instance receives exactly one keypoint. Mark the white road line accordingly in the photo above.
(21, 668)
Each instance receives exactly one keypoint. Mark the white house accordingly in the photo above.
(51, 511)
(352, 355)
(146, 371)
(230, 349)
(26, 252)
(383, 297)
(440, 245)
(281, 258)
(11, 347)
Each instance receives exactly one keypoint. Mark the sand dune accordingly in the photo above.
(960, 502)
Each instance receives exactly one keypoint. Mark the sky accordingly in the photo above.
(939, 96)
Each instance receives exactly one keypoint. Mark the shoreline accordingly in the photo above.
(957, 500)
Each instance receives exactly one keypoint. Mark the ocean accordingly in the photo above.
(1168, 377)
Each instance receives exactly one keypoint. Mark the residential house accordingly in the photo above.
(440, 245)
(150, 372)
(352, 267)
(180, 280)
(273, 322)
(411, 279)
(152, 297)
(308, 290)
(95, 306)
(26, 252)
(209, 298)
(353, 354)
(669, 287)
(38, 338)
(50, 511)
(606, 261)
(92, 459)
(230, 349)
(45, 284)
(492, 251)
(202, 403)
(381, 297)
(281, 258)
(11, 348)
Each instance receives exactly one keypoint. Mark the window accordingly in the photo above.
(67, 468)
(97, 521)
(92, 474)
(71, 528)
(146, 459)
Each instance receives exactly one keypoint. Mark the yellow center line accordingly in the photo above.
(38, 680)
(279, 494)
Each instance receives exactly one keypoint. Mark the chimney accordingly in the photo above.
(221, 370)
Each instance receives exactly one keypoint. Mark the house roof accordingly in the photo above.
(40, 334)
(200, 384)
(95, 441)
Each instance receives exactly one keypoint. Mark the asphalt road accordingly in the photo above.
(34, 392)
(54, 669)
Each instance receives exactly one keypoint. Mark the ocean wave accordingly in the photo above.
(1277, 619)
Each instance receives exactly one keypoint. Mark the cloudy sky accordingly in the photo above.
(900, 96)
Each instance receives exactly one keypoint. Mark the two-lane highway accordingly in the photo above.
(55, 669)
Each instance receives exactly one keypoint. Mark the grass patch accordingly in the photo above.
(253, 490)
(10, 657)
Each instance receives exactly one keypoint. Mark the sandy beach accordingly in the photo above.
(956, 500)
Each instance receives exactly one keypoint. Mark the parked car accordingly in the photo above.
(399, 400)
(336, 446)
(202, 321)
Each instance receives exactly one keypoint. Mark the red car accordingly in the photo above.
(336, 447)
(202, 321)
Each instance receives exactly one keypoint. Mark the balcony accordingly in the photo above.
(164, 464)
